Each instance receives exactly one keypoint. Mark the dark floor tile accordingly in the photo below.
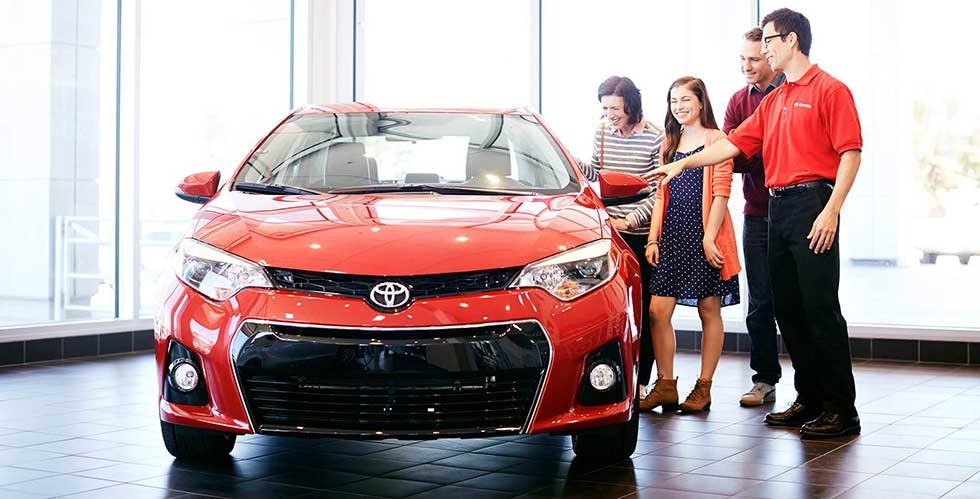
(530, 451)
(691, 451)
(81, 346)
(459, 444)
(688, 340)
(753, 471)
(350, 447)
(657, 493)
(627, 475)
(461, 492)
(143, 340)
(485, 462)
(42, 350)
(860, 348)
(667, 463)
(316, 478)
(506, 482)
(709, 484)
(115, 343)
(11, 353)
(388, 487)
(953, 352)
(432, 473)
(415, 454)
(192, 482)
(895, 349)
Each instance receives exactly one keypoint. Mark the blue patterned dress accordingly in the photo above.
(683, 271)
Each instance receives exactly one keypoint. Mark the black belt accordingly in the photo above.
(789, 190)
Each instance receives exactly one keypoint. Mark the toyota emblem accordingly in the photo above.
(389, 295)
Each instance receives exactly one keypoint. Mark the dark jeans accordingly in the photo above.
(637, 244)
(760, 321)
(805, 299)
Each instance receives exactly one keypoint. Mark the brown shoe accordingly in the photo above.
(664, 394)
(699, 399)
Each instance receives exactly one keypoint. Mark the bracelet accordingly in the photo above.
(651, 243)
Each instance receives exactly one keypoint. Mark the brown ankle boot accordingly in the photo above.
(699, 399)
(664, 394)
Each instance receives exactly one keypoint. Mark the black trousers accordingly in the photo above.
(806, 302)
(638, 245)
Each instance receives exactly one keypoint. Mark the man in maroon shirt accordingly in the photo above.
(760, 320)
(810, 137)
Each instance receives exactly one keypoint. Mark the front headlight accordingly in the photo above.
(215, 273)
(573, 273)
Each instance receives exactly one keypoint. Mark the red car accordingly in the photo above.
(412, 274)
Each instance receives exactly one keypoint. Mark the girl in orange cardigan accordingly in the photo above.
(691, 246)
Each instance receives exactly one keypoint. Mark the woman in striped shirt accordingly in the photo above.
(626, 142)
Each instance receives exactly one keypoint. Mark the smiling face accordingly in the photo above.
(614, 109)
(685, 105)
(776, 49)
(755, 67)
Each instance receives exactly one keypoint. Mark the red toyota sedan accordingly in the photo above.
(413, 274)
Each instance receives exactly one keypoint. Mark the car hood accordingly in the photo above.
(397, 234)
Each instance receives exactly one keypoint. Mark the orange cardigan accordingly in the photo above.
(717, 182)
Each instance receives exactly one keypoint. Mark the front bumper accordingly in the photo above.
(502, 362)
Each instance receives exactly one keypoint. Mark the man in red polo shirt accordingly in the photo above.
(810, 137)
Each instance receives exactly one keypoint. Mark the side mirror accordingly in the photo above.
(199, 187)
(618, 188)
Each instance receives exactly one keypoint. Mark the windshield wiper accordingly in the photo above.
(272, 188)
(436, 188)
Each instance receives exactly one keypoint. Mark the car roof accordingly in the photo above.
(360, 107)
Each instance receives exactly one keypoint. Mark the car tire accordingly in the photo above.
(609, 443)
(195, 444)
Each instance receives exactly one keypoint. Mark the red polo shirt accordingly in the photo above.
(802, 128)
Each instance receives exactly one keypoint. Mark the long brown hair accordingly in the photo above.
(672, 127)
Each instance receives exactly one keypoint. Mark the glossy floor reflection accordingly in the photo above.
(88, 429)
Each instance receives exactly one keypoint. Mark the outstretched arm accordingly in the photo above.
(719, 152)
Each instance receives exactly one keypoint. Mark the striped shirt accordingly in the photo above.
(637, 154)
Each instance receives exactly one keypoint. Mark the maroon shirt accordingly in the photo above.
(740, 107)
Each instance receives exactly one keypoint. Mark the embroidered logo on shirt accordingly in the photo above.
(802, 104)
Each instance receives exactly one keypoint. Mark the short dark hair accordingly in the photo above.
(790, 21)
(624, 87)
(754, 35)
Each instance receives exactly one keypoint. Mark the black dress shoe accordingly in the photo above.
(795, 415)
(831, 423)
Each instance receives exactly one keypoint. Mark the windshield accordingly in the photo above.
(324, 152)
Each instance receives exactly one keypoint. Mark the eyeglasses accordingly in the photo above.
(765, 39)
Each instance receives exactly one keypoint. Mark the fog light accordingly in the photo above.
(602, 376)
(184, 375)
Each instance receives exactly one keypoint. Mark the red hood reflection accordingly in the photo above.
(397, 234)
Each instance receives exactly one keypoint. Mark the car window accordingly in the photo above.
(330, 151)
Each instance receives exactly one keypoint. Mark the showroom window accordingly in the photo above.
(204, 99)
(451, 53)
(58, 179)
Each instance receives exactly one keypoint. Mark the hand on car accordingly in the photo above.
(619, 224)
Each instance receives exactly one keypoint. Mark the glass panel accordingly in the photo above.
(653, 43)
(206, 96)
(58, 180)
(450, 53)
(910, 247)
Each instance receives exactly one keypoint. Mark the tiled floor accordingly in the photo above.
(89, 429)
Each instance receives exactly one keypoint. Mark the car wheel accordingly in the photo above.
(609, 443)
(194, 444)
(928, 258)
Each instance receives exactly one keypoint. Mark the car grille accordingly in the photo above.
(443, 405)
(404, 383)
(424, 286)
